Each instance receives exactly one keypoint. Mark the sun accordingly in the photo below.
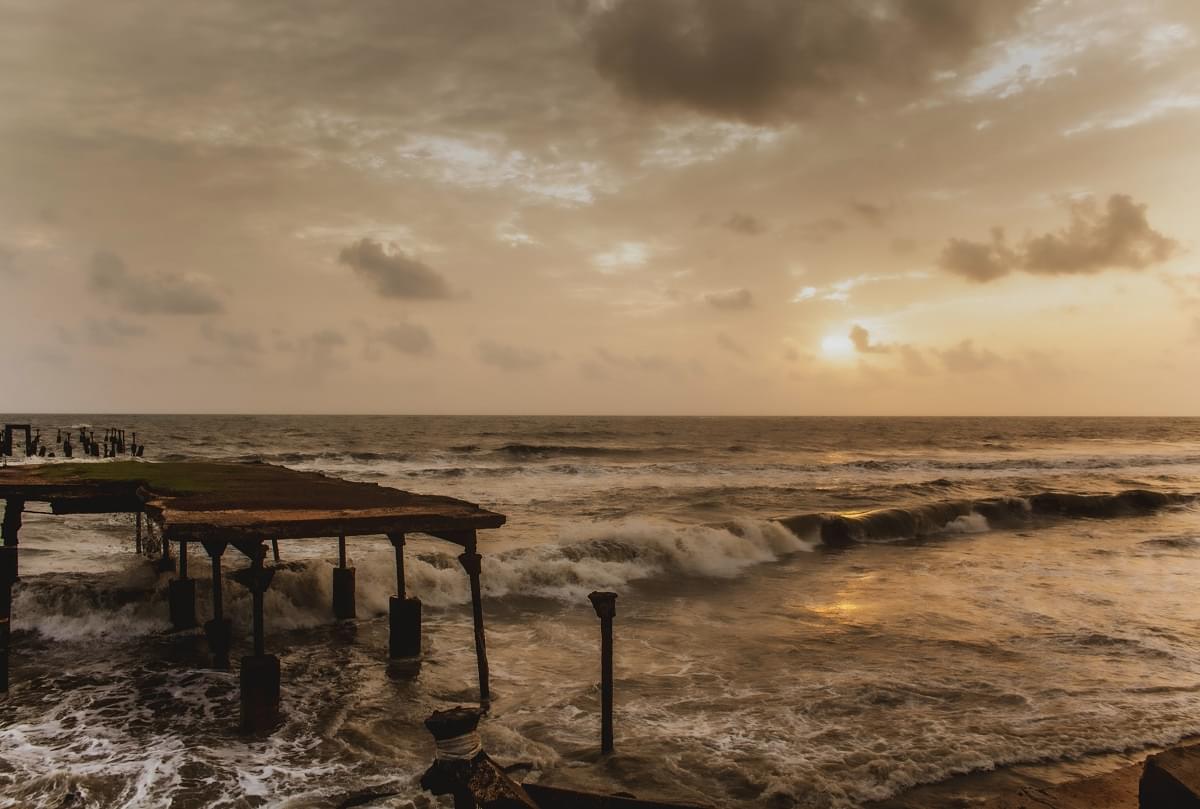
(837, 347)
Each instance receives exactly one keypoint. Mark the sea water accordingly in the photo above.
(774, 646)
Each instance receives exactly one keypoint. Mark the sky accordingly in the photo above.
(767, 207)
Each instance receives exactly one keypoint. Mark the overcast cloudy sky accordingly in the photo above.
(618, 206)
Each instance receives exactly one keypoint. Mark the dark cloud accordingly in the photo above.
(1119, 236)
(821, 230)
(732, 346)
(161, 294)
(407, 338)
(730, 300)
(232, 340)
(874, 215)
(111, 331)
(966, 358)
(512, 358)
(862, 342)
(745, 224)
(979, 261)
(763, 59)
(394, 274)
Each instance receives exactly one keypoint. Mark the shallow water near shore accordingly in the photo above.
(757, 665)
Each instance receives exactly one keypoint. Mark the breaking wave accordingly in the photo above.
(970, 516)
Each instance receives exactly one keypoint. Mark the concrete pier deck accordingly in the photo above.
(221, 505)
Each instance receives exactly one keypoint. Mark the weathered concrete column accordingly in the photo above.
(605, 605)
(11, 527)
(343, 585)
(181, 594)
(8, 576)
(220, 629)
(260, 671)
(404, 614)
(461, 767)
(471, 562)
(165, 563)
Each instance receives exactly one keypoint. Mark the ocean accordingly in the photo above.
(1009, 608)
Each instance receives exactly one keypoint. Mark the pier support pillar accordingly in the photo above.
(605, 605)
(260, 671)
(463, 770)
(8, 575)
(165, 563)
(471, 562)
(404, 613)
(137, 531)
(181, 594)
(11, 527)
(220, 629)
(343, 585)
(259, 679)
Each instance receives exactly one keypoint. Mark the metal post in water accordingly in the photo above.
(605, 605)
(471, 562)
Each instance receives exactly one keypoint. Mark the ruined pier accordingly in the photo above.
(219, 506)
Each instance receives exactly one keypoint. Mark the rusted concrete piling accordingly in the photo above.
(343, 585)
(219, 630)
(605, 605)
(181, 594)
(260, 671)
(8, 577)
(404, 613)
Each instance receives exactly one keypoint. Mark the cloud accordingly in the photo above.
(822, 230)
(874, 215)
(394, 274)
(862, 342)
(512, 358)
(1117, 237)
(732, 346)
(965, 358)
(730, 300)
(407, 338)
(767, 59)
(979, 261)
(233, 341)
(745, 224)
(111, 331)
(914, 361)
(161, 294)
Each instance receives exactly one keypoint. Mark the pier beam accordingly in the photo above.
(260, 671)
(605, 605)
(181, 594)
(471, 562)
(404, 613)
(220, 629)
(343, 585)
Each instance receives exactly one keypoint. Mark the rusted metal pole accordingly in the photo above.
(275, 549)
(471, 562)
(11, 527)
(220, 629)
(404, 613)
(605, 605)
(137, 532)
(258, 589)
(343, 585)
